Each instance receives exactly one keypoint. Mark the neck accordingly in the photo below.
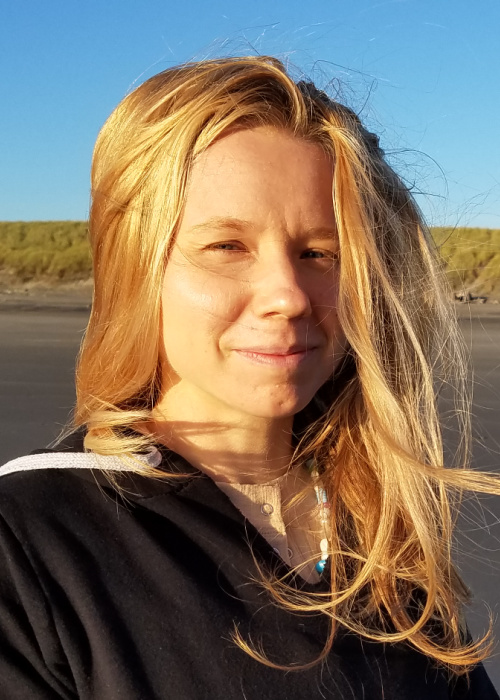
(230, 448)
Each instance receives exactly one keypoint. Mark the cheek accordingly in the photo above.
(197, 306)
(188, 291)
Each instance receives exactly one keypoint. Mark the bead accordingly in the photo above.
(267, 509)
(320, 566)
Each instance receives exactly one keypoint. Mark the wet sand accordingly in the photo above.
(39, 340)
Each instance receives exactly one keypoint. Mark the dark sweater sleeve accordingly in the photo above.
(32, 662)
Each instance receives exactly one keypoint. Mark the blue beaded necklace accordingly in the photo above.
(324, 514)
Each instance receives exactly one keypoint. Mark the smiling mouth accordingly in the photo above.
(288, 358)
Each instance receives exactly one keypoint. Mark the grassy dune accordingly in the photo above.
(51, 250)
(472, 258)
(58, 251)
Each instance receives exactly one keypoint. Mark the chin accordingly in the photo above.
(278, 409)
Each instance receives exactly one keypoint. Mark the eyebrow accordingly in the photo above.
(229, 223)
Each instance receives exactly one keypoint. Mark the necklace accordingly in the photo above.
(324, 514)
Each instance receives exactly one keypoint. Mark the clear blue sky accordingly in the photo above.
(425, 74)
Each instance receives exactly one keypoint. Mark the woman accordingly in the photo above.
(254, 502)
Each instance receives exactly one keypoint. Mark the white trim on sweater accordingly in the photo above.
(80, 460)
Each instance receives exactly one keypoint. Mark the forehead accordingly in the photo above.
(263, 147)
(258, 174)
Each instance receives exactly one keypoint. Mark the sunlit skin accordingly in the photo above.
(250, 328)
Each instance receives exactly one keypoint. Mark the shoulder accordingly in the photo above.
(55, 479)
(54, 505)
(46, 487)
(54, 460)
(70, 454)
(33, 471)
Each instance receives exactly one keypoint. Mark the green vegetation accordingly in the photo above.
(59, 251)
(55, 250)
(472, 258)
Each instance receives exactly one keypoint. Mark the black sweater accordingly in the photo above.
(135, 597)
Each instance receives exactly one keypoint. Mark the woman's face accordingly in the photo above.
(250, 289)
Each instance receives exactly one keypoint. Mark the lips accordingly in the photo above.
(278, 349)
(277, 356)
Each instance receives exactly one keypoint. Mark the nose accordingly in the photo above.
(280, 291)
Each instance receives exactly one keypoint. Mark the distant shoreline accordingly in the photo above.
(77, 296)
(74, 296)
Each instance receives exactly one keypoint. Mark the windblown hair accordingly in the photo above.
(376, 438)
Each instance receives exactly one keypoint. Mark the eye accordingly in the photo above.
(316, 254)
(226, 245)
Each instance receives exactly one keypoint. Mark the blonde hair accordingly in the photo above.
(376, 438)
